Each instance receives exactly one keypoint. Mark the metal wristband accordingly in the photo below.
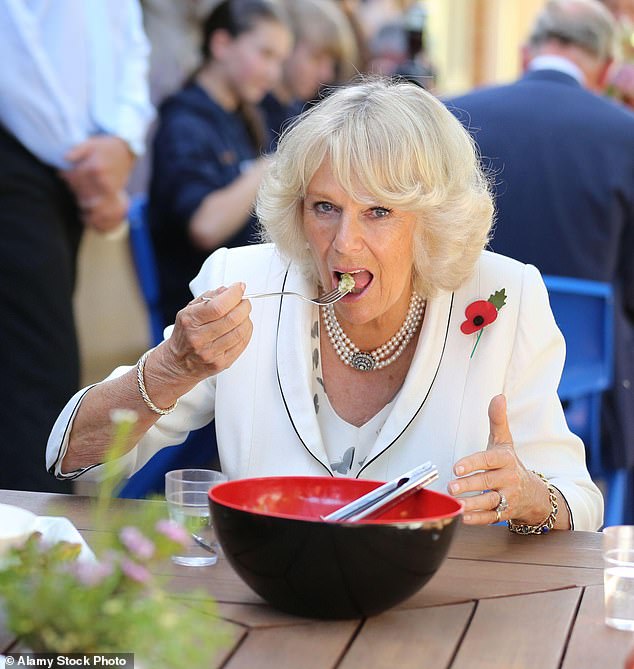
(546, 525)
(140, 381)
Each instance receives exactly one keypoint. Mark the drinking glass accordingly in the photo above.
(618, 576)
(188, 504)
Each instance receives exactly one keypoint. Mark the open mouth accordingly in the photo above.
(362, 279)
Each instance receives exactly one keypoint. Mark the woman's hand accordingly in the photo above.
(209, 334)
(496, 472)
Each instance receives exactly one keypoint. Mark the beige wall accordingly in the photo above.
(109, 310)
(475, 42)
(507, 25)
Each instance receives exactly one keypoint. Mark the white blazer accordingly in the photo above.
(265, 418)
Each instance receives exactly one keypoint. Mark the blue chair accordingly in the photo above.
(145, 265)
(199, 449)
(584, 311)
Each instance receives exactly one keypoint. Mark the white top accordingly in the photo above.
(347, 446)
(72, 69)
(264, 408)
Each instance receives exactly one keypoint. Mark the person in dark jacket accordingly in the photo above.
(208, 150)
(563, 159)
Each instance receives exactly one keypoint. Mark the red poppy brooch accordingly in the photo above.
(481, 313)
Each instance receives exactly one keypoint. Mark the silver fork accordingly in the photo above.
(322, 300)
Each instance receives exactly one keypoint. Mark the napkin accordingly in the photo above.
(54, 529)
(58, 528)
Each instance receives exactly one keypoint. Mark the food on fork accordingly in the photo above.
(346, 283)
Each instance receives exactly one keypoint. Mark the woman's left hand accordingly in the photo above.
(500, 476)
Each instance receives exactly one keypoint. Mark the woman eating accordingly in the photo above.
(442, 351)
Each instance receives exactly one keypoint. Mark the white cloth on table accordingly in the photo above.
(58, 528)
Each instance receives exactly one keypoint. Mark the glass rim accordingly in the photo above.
(619, 558)
(611, 530)
(195, 475)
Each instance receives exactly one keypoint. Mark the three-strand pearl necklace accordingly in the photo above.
(385, 354)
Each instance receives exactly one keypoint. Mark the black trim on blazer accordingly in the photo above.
(572, 520)
(77, 472)
(442, 353)
(367, 464)
(279, 382)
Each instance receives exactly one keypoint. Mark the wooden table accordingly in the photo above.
(499, 601)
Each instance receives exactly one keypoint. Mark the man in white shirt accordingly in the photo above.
(74, 110)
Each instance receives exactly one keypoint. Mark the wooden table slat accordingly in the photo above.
(257, 615)
(420, 639)
(500, 601)
(218, 581)
(235, 635)
(315, 645)
(529, 631)
(74, 507)
(594, 644)
(457, 580)
(583, 549)
(464, 580)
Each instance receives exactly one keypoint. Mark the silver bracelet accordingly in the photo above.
(140, 381)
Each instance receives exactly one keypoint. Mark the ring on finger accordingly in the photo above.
(498, 515)
(503, 505)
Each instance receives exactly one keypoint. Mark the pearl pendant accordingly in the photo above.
(383, 355)
(364, 362)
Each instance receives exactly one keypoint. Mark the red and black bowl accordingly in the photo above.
(272, 534)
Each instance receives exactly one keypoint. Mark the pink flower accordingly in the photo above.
(137, 543)
(173, 531)
(91, 574)
(135, 571)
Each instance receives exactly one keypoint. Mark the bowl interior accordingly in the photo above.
(310, 497)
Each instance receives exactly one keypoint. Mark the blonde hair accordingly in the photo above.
(399, 144)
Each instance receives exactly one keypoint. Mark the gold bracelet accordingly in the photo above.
(546, 525)
(140, 381)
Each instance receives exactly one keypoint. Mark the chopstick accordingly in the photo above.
(386, 495)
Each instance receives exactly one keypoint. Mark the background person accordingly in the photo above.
(73, 116)
(208, 149)
(378, 180)
(620, 83)
(174, 31)
(563, 159)
(391, 54)
(324, 53)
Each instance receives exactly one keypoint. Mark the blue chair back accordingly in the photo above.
(199, 449)
(145, 265)
(584, 311)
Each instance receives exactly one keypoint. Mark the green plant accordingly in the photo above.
(57, 603)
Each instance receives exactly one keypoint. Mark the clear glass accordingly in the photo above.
(186, 493)
(618, 576)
